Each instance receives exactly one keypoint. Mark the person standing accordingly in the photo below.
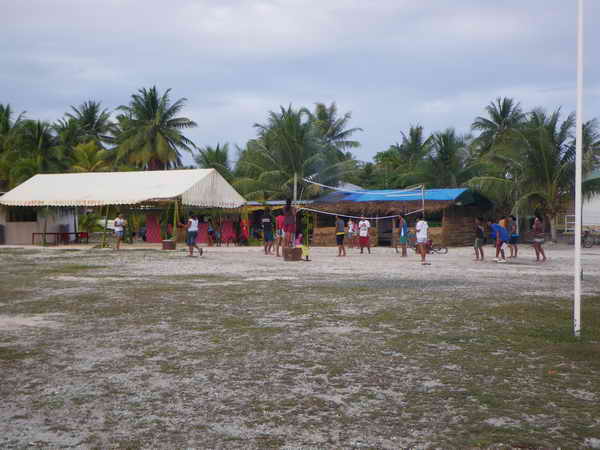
(289, 224)
(339, 235)
(363, 234)
(119, 225)
(513, 237)
(403, 234)
(479, 238)
(501, 239)
(422, 229)
(191, 234)
(351, 233)
(538, 239)
(267, 228)
(279, 233)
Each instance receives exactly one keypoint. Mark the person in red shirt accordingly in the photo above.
(279, 222)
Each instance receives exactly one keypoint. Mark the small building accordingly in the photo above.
(47, 203)
(451, 213)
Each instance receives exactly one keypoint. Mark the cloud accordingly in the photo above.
(392, 62)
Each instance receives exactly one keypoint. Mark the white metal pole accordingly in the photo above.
(578, 172)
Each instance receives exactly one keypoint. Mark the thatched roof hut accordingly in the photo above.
(389, 202)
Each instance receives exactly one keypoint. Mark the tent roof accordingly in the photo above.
(395, 195)
(196, 187)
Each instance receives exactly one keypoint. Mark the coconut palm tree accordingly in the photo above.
(150, 134)
(94, 122)
(539, 166)
(333, 129)
(215, 158)
(89, 157)
(287, 144)
(504, 116)
(399, 162)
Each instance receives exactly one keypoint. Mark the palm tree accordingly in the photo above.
(151, 131)
(539, 165)
(94, 122)
(399, 162)
(287, 144)
(504, 117)
(332, 129)
(89, 157)
(39, 142)
(10, 133)
(215, 158)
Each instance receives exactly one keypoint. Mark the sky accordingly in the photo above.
(391, 63)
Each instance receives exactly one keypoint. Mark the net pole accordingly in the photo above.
(578, 174)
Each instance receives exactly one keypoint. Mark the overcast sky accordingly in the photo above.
(392, 63)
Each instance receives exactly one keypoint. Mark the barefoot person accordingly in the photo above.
(538, 239)
(289, 223)
(501, 236)
(279, 233)
(267, 226)
(363, 234)
(513, 237)
(422, 229)
(339, 235)
(403, 234)
(191, 228)
(351, 233)
(119, 225)
(479, 237)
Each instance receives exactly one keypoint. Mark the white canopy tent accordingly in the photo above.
(194, 187)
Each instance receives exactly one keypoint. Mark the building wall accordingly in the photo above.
(19, 233)
(458, 225)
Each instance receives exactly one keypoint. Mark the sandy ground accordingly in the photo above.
(235, 349)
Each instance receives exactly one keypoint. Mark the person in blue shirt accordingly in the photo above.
(501, 240)
(403, 232)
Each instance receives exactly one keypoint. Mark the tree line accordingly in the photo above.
(522, 160)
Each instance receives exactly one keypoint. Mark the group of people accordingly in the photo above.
(361, 228)
(506, 237)
(285, 231)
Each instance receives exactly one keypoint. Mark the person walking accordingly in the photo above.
(339, 235)
(191, 234)
(363, 234)
(422, 229)
(479, 238)
(267, 228)
(119, 226)
(538, 239)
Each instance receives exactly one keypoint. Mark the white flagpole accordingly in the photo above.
(578, 172)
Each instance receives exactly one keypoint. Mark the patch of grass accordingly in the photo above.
(68, 269)
(237, 323)
(16, 354)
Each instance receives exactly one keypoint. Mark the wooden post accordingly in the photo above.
(105, 226)
(175, 221)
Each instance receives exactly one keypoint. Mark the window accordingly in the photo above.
(21, 214)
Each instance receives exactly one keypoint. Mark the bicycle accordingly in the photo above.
(431, 247)
(589, 239)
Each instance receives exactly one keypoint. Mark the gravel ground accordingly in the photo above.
(144, 348)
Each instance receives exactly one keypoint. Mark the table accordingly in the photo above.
(62, 237)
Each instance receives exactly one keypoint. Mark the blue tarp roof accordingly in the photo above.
(394, 195)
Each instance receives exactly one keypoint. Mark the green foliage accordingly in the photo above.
(215, 158)
(89, 222)
(150, 132)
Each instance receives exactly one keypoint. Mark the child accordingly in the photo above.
(501, 240)
(339, 235)
(479, 237)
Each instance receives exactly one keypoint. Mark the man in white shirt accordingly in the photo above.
(363, 234)
(119, 226)
(192, 234)
(422, 242)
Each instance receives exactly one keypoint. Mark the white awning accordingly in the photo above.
(196, 187)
